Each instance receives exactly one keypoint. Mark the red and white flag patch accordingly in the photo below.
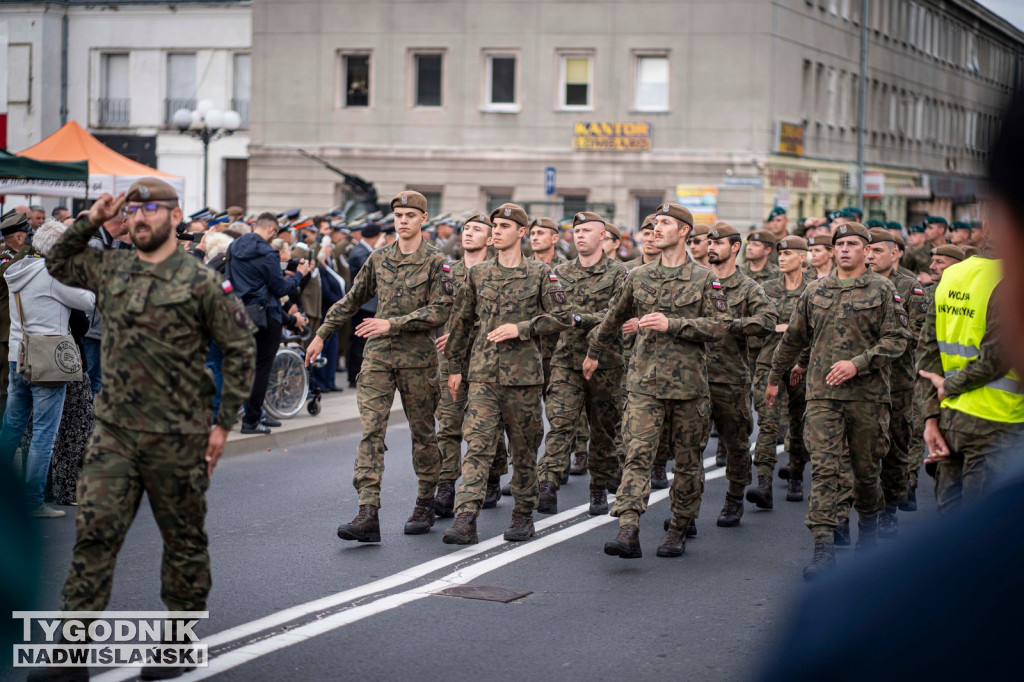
(715, 284)
(553, 277)
(896, 297)
(226, 286)
(919, 291)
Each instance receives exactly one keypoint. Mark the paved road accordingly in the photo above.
(272, 521)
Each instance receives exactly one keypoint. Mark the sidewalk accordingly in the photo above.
(338, 415)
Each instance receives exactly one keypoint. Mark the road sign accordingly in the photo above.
(549, 180)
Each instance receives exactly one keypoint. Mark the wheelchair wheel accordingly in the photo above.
(288, 386)
(314, 405)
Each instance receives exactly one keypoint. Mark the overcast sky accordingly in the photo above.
(1011, 10)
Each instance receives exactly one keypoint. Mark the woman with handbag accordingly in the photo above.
(43, 359)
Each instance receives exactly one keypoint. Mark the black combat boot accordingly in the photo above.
(422, 519)
(579, 464)
(691, 527)
(463, 531)
(547, 502)
(521, 527)
(784, 473)
(626, 544)
(444, 500)
(910, 504)
(867, 534)
(823, 562)
(61, 673)
(674, 542)
(612, 486)
(493, 493)
(365, 527)
(732, 512)
(888, 527)
(842, 532)
(795, 487)
(506, 491)
(659, 479)
(762, 494)
(598, 500)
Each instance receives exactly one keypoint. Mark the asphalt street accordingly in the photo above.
(371, 612)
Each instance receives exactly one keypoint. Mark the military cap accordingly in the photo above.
(949, 251)
(678, 212)
(370, 231)
(14, 222)
(915, 229)
(586, 217)
(820, 240)
(512, 212)
(700, 229)
(970, 251)
(880, 234)
(409, 199)
(289, 215)
(793, 244)
(959, 225)
(893, 225)
(851, 230)
(482, 219)
(776, 211)
(235, 211)
(873, 223)
(612, 230)
(388, 228)
(933, 219)
(842, 213)
(356, 228)
(303, 223)
(648, 222)
(152, 189)
(723, 231)
(763, 236)
(220, 218)
(542, 222)
(855, 211)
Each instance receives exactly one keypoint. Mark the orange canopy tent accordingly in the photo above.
(108, 170)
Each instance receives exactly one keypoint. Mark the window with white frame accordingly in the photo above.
(651, 88)
(576, 80)
(500, 81)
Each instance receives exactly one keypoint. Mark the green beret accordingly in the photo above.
(851, 230)
(915, 229)
(893, 225)
(842, 213)
(409, 199)
(857, 213)
(790, 243)
(151, 189)
(777, 211)
(959, 225)
(513, 212)
(874, 223)
(587, 217)
(935, 219)
(680, 213)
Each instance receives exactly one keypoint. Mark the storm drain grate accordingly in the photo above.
(498, 594)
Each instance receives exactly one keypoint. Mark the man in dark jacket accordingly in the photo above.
(255, 273)
(371, 237)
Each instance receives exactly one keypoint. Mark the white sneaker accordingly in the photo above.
(45, 511)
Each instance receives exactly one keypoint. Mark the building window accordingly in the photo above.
(576, 78)
(496, 197)
(181, 84)
(241, 86)
(500, 82)
(645, 206)
(651, 89)
(433, 197)
(355, 80)
(428, 68)
(574, 203)
(114, 101)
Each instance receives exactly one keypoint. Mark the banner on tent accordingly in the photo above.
(98, 184)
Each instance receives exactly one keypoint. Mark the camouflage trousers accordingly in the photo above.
(685, 425)
(582, 436)
(118, 467)
(375, 394)
(896, 462)
(974, 462)
(915, 455)
(570, 397)
(769, 420)
(449, 417)
(828, 425)
(488, 405)
(730, 411)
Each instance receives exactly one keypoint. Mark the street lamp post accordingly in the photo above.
(206, 123)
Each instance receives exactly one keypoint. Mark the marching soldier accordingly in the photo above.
(698, 244)
(759, 265)
(822, 262)
(506, 303)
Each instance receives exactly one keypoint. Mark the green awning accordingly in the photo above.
(19, 175)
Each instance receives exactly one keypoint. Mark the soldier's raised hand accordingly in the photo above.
(105, 208)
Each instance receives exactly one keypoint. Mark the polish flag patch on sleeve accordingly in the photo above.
(226, 286)
(896, 297)
(919, 291)
(715, 284)
(446, 268)
(553, 277)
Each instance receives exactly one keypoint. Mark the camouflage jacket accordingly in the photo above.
(669, 365)
(785, 301)
(549, 341)
(919, 260)
(863, 323)
(459, 275)
(629, 340)
(158, 321)
(753, 315)
(530, 297)
(769, 272)
(590, 292)
(915, 302)
(414, 294)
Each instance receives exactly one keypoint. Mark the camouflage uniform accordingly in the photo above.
(666, 382)
(414, 293)
(768, 420)
(768, 273)
(729, 377)
(862, 322)
(450, 413)
(506, 380)
(590, 291)
(153, 417)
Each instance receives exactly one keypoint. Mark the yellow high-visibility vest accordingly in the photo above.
(961, 305)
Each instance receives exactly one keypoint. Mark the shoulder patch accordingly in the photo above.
(896, 297)
(446, 268)
(226, 286)
(715, 284)
(918, 291)
(553, 277)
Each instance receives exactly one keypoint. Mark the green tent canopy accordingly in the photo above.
(19, 175)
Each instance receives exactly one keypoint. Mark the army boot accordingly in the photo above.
(842, 532)
(422, 519)
(521, 527)
(579, 464)
(463, 531)
(888, 527)
(867, 534)
(598, 500)
(691, 528)
(673, 544)
(784, 473)
(626, 544)
(732, 512)
(823, 562)
(795, 487)
(493, 493)
(444, 500)
(365, 527)
(910, 504)
(612, 486)
(565, 477)
(153, 672)
(762, 494)
(61, 673)
(547, 502)
(659, 479)
(506, 491)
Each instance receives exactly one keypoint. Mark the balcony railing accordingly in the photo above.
(172, 104)
(242, 107)
(114, 112)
